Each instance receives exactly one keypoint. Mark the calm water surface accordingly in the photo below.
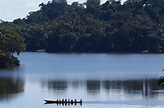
(101, 80)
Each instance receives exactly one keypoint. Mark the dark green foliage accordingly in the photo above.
(135, 26)
(10, 42)
(7, 60)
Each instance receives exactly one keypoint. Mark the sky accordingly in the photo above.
(13, 9)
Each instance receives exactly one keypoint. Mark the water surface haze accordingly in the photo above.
(101, 80)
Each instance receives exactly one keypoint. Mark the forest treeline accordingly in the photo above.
(134, 26)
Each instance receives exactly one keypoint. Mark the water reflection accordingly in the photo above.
(93, 86)
(148, 88)
(145, 88)
(56, 85)
(10, 88)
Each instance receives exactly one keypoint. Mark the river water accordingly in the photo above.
(100, 80)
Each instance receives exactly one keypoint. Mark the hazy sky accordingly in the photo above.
(12, 9)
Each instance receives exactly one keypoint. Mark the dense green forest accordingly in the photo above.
(10, 43)
(135, 26)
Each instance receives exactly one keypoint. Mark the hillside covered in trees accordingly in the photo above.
(134, 26)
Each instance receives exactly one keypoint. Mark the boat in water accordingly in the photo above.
(64, 102)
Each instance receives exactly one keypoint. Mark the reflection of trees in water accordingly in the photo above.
(10, 88)
(56, 85)
(93, 86)
(143, 87)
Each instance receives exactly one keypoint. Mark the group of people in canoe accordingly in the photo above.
(64, 101)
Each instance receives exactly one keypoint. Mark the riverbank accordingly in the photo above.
(8, 61)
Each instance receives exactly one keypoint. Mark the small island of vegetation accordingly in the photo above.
(135, 26)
